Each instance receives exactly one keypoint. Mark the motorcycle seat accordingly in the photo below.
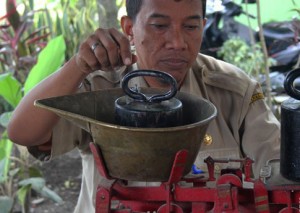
(278, 31)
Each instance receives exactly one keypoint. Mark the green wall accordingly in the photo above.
(271, 10)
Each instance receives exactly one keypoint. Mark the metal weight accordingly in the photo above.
(154, 98)
(148, 110)
(290, 130)
(289, 84)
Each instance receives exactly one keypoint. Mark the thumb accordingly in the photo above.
(133, 58)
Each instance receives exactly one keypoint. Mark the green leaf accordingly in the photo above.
(37, 183)
(22, 192)
(14, 16)
(14, 172)
(49, 21)
(119, 3)
(49, 60)
(10, 89)
(46, 192)
(4, 118)
(58, 24)
(73, 3)
(6, 204)
(2, 166)
(5, 152)
(34, 172)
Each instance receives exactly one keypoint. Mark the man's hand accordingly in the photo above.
(106, 49)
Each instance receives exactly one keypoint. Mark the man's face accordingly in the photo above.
(167, 36)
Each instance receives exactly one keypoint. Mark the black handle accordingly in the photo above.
(154, 98)
(289, 83)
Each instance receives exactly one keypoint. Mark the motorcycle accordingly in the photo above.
(221, 26)
(282, 38)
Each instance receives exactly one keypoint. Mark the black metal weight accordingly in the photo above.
(290, 130)
(148, 110)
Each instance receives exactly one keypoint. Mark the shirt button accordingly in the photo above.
(208, 139)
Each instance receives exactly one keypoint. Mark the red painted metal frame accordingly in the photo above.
(228, 195)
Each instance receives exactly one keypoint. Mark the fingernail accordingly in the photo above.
(127, 61)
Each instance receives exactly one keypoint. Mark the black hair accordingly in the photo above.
(133, 7)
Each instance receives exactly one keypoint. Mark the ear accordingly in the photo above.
(127, 25)
(204, 21)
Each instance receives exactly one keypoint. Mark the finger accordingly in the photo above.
(134, 59)
(100, 54)
(111, 46)
(86, 59)
(124, 45)
(95, 45)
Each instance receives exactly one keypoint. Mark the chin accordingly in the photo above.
(179, 76)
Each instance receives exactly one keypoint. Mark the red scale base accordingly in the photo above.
(227, 196)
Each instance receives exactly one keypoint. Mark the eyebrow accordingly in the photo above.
(158, 15)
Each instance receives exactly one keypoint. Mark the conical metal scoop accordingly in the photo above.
(130, 153)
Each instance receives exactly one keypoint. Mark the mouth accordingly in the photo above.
(174, 63)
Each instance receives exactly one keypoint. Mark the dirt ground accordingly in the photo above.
(63, 175)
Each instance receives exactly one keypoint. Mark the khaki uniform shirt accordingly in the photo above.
(243, 127)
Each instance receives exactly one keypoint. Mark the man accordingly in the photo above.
(167, 36)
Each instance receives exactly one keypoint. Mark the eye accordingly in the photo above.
(159, 26)
(191, 27)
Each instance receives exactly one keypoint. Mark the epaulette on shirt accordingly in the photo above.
(226, 76)
(257, 96)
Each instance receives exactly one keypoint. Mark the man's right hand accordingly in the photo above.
(106, 50)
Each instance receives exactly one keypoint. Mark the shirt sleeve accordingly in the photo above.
(65, 137)
(260, 137)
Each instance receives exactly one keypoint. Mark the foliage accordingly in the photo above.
(49, 60)
(23, 36)
(78, 20)
(296, 9)
(250, 59)
(11, 171)
(21, 41)
(32, 46)
(29, 52)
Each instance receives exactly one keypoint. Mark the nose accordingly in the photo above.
(176, 39)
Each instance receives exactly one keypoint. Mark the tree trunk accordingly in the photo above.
(108, 13)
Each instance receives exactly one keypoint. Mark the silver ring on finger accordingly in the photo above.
(95, 45)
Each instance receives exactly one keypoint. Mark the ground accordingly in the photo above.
(63, 175)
